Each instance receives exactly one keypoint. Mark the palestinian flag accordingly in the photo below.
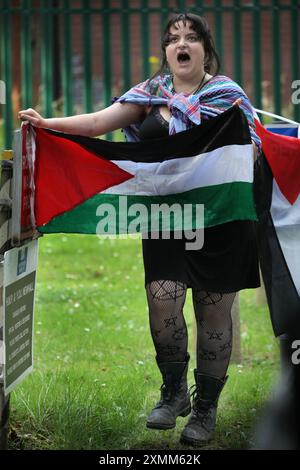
(80, 182)
(278, 203)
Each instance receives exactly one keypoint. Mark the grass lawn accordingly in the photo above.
(95, 378)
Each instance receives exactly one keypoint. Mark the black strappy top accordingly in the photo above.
(154, 125)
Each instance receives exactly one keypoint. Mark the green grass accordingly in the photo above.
(95, 378)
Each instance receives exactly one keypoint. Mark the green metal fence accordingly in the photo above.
(46, 62)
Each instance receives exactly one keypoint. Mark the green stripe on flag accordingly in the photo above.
(222, 203)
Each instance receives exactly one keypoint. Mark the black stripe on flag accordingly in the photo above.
(229, 128)
(282, 295)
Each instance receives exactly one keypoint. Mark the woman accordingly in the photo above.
(186, 90)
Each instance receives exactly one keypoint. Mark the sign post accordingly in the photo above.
(17, 269)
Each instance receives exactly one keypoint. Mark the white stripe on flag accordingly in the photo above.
(224, 165)
(289, 239)
(286, 219)
(283, 213)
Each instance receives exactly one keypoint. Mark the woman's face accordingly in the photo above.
(185, 52)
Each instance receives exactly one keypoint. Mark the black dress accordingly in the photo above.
(228, 260)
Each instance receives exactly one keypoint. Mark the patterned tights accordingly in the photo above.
(169, 332)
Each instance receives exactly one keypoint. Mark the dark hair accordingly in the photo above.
(200, 26)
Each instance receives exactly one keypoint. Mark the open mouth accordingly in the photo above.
(183, 57)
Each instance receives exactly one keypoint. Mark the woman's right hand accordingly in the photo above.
(32, 116)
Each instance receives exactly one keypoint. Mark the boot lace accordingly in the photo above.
(167, 394)
(200, 407)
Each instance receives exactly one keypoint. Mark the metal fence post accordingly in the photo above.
(5, 215)
(4, 420)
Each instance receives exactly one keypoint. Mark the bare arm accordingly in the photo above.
(116, 116)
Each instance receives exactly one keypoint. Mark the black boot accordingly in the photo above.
(174, 399)
(201, 424)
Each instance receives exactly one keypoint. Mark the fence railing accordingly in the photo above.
(72, 56)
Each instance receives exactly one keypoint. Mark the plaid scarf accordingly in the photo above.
(214, 97)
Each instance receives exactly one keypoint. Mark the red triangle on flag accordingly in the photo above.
(66, 174)
(283, 155)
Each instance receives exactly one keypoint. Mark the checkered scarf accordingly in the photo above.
(217, 95)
